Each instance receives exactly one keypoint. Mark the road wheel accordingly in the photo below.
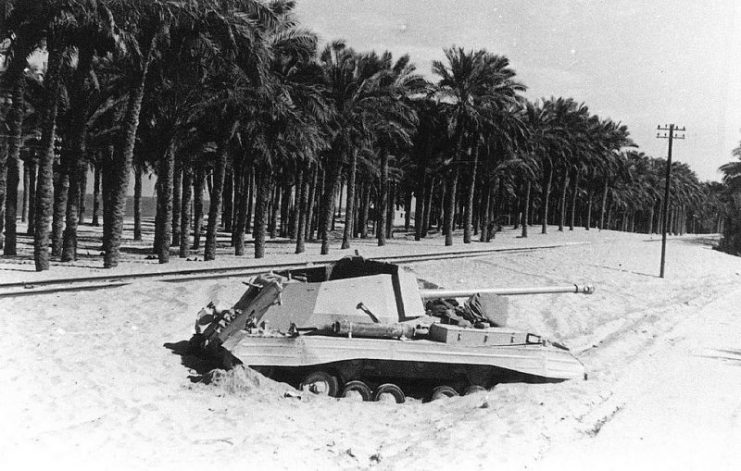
(321, 383)
(442, 392)
(389, 393)
(473, 389)
(357, 391)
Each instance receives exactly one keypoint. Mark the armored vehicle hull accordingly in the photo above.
(308, 334)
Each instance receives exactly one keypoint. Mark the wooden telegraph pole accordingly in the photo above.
(668, 130)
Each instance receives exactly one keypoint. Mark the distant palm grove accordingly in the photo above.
(251, 127)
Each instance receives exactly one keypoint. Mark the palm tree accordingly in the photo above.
(57, 20)
(615, 136)
(473, 81)
(170, 109)
(546, 143)
(25, 25)
(429, 147)
(238, 82)
(505, 134)
(585, 150)
(146, 24)
(392, 121)
(93, 34)
(305, 116)
(338, 65)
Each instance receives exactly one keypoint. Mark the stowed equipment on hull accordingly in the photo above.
(364, 328)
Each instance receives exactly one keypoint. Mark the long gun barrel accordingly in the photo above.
(462, 293)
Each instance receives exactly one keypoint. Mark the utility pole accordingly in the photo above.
(668, 130)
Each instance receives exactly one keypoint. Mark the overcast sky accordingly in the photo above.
(641, 62)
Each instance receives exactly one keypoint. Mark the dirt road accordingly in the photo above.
(678, 406)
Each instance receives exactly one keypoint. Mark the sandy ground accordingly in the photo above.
(92, 380)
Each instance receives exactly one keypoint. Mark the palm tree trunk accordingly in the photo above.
(177, 185)
(562, 212)
(32, 171)
(226, 199)
(546, 197)
(262, 180)
(61, 190)
(15, 133)
(485, 211)
(165, 202)
(338, 198)
(367, 193)
(11, 202)
(198, 184)
(250, 198)
(589, 209)
(274, 207)
(238, 179)
(44, 190)
(96, 195)
(3, 187)
(350, 205)
(419, 206)
(359, 204)
(496, 194)
(77, 158)
(69, 244)
(428, 207)
(383, 195)
(391, 211)
(477, 205)
(315, 229)
(137, 202)
(157, 218)
(574, 192)
(297, 209)
(83, 191)
(215, 203)
(448, 218)
(311, 203)
(242, 202)
(604, 206)
(26, 184)
(187, 194)
(407, 209)
(303, 211)
(526, 209)
(114, 211)
(467, 226)
(285, 204)
(332, 175)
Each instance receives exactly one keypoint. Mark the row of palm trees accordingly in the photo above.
(251, 128)
(730, 198)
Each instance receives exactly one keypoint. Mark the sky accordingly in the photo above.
(640, 62)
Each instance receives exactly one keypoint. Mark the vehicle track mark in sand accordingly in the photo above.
(673, 407)
(598, 424)
(722, 354)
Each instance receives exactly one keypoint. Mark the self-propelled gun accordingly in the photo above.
(365, 329)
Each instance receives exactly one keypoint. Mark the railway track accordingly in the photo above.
(87, 283)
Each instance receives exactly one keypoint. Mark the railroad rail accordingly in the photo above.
(55, 285)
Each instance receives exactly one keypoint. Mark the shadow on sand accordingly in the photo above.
(194, 360)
